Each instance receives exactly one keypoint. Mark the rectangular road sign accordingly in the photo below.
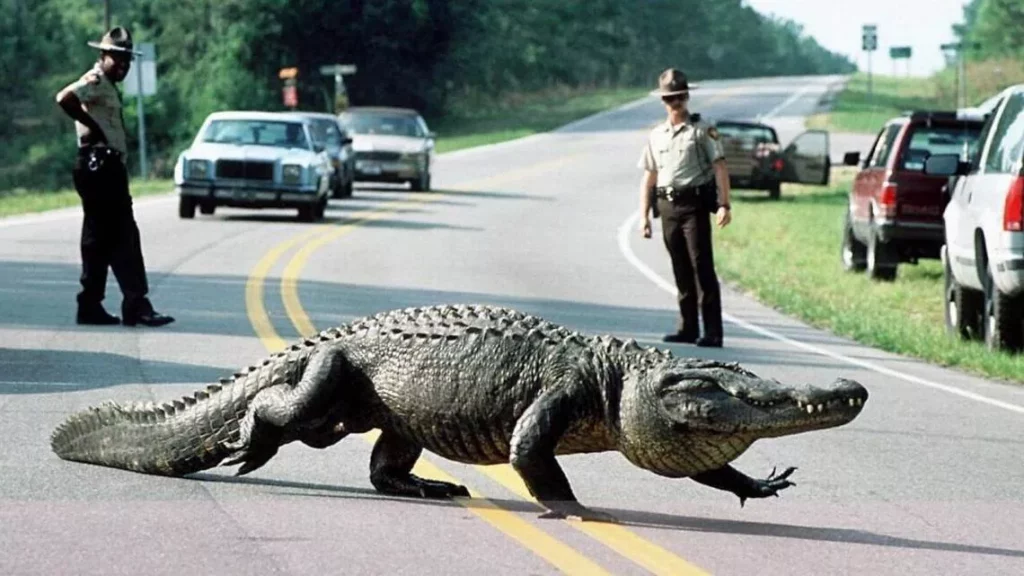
(869, 37)
(147, 65)
(897, 52)
(338, 69)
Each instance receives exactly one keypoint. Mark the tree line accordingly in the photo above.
(429, 54)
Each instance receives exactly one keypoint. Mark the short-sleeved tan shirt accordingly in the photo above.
(102, 101)
(682, 155)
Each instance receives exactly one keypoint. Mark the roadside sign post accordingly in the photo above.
(290, 91)
(142, 83)
(339, 71)
(869, 43)
(900, 53)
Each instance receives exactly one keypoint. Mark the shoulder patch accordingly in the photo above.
(713, 133)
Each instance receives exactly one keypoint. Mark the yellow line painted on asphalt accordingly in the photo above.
(258, 317)
(626, 543)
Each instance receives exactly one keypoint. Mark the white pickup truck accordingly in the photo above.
(983, 255)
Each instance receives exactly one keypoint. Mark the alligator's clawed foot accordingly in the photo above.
(769, 486)
(570, 510)
(256, 445)
(439, 489)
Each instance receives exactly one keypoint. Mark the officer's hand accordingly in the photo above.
(724, 217)
(645, 227)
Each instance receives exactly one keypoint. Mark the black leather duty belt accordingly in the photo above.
(679, 192)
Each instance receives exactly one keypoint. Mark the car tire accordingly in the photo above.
(963, 313)
(881, 260)
(1002, 316)
(853, 252)
(186, 207)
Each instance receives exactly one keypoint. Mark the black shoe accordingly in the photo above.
(96, 317)
(680, 338)
(709, 342)
(148, 319)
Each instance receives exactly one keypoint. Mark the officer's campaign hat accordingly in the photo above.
(672, 82)
(116, 40)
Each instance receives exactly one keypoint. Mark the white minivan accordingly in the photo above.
(983, 253)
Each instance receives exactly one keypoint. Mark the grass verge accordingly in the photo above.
(855, 111)
(474, 124)
(786, 254)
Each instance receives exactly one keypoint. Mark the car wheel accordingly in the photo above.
(881, 260)
(854, 252)
(186, 207)
(964, 307)
(1004, 329)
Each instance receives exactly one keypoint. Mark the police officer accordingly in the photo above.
(685, 180)
(110, 236)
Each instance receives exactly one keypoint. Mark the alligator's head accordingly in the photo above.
(687, 415)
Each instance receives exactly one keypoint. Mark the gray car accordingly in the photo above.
(391, 145)
(329, 132)
(253, 160)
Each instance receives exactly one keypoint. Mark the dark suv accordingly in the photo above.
(895, 209)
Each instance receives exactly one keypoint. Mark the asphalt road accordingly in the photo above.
(927, 480)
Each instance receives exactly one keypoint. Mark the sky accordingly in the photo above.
(923, 25)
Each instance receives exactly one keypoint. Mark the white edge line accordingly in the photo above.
(630, 224)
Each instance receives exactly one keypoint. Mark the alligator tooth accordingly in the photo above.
(860, 401)
(810, 408)
(853, 402)
(799, 405)
(821, 408)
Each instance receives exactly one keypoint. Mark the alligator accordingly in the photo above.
(475, 384)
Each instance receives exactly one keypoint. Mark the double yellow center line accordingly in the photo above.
(624, 542)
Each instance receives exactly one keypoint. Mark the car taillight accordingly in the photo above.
(778, 164)
(1013, 207)
(887, 199)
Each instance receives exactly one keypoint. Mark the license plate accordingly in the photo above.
(368, 168)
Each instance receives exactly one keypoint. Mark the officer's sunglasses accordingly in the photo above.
(673, 98)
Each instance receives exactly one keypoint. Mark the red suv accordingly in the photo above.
(895, 209)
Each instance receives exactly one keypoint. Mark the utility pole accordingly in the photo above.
(340, 95)
(106, 15)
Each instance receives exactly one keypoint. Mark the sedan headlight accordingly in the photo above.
(198, 169)
(291, 173)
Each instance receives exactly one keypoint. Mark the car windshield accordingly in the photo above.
(747, 134)
(280, 134)
(927, 141)
(385, 124)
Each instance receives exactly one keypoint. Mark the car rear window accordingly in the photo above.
(926, 141)
(747, 134)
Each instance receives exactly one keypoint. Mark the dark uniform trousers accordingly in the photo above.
(110, 236)
(686, 230)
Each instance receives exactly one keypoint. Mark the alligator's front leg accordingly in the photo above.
(391, 464)
(534, 440)
(732, 480)
(284, 409)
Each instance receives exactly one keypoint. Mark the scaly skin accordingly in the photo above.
(474, 384)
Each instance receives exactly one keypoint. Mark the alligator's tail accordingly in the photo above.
(170, 439)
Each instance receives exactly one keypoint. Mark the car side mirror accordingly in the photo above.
(942, 165)
(851, 159)
(318, 148)
(346, 140)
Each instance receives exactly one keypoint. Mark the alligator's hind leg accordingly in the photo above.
(283, 409)
(391, 465)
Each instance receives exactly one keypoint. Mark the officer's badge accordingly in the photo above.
(713, 133)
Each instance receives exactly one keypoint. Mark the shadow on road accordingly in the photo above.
(642, 519)
(28, 371)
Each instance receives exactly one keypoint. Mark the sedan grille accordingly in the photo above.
(379, 156)
(243, 170)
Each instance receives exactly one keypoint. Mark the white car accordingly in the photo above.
(391, 145)
(254, 160)
(983, 253)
